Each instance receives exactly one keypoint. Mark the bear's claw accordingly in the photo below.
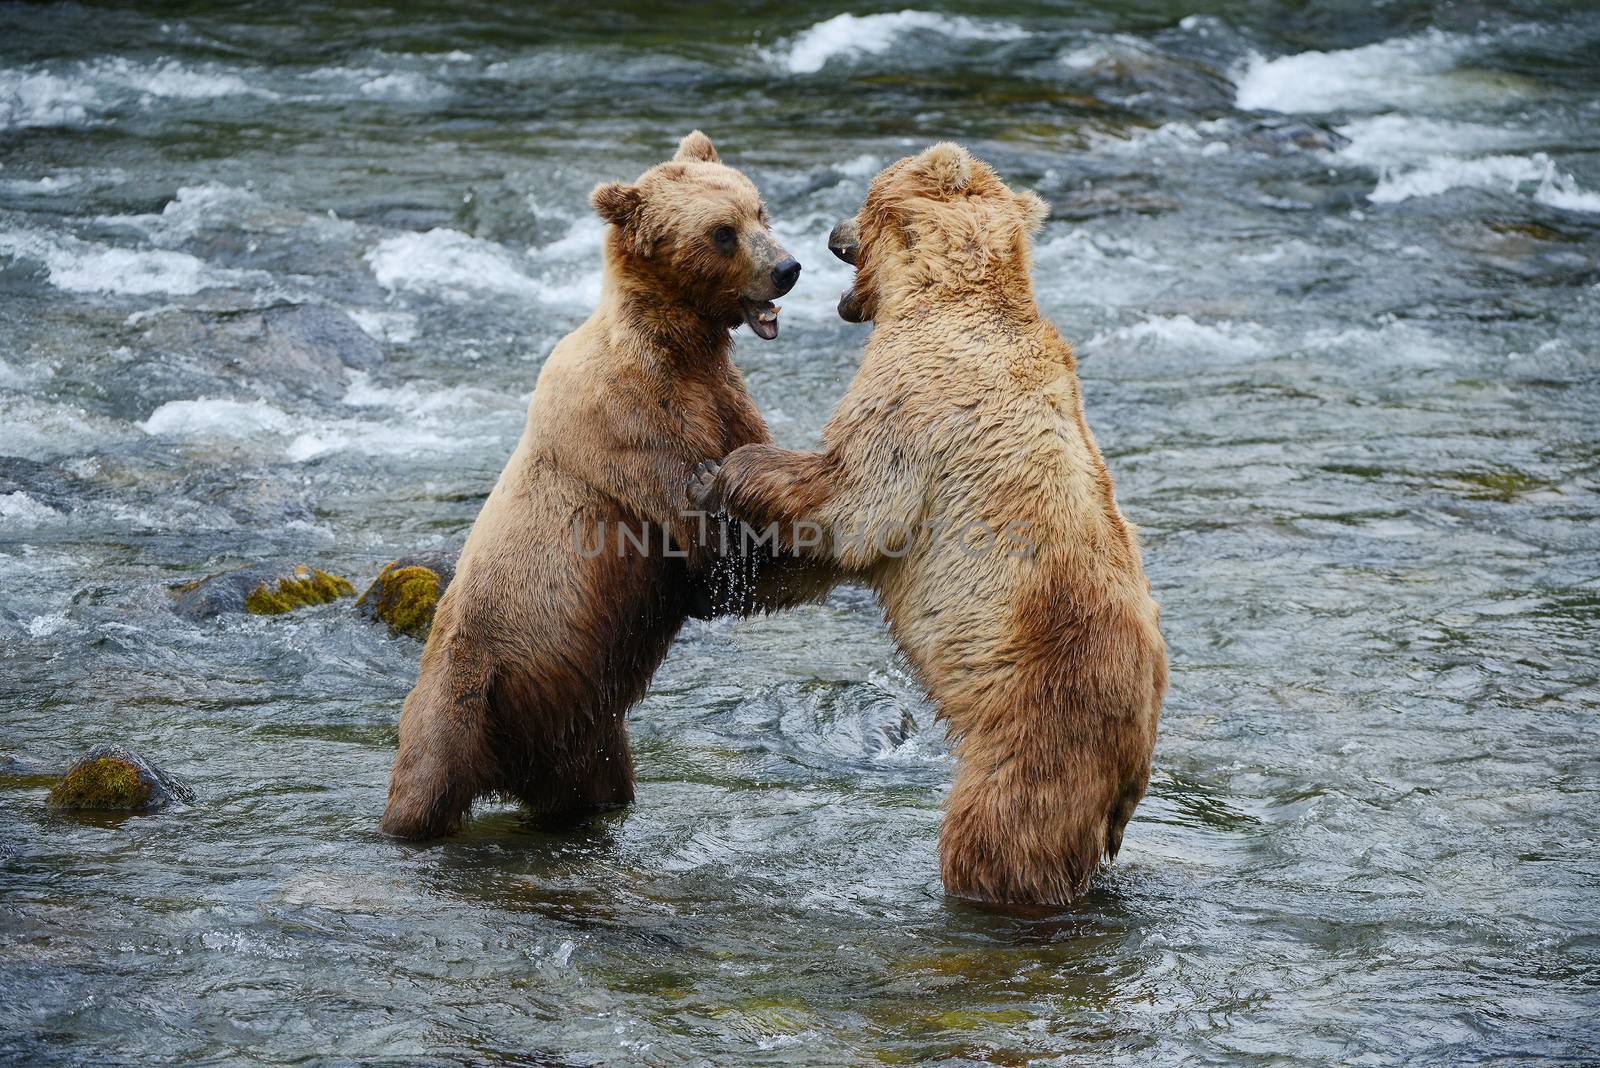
(704, 493)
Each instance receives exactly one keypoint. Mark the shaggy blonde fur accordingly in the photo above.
(1047, 665)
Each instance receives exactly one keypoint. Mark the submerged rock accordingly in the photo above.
(47, 485)
(287, 340)
(1108, 198)
(284, 354)
(1283, 135)
(254, 498)
(16, 773)
(305, 586)
(1131, 72)
(111, 779)
(262, 589)
(406, 592)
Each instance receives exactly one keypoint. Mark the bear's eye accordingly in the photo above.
(725, 237)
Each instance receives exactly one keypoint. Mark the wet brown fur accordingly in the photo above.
(536, 651)
(1049, 668)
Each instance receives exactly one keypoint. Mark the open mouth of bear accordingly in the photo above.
(850, 309)
(845, 243)
(761, 316)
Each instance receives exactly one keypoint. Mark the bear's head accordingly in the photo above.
(694, 234)
(938, 223)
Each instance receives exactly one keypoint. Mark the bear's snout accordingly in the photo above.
(785, 274)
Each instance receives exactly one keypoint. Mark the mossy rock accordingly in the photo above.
(302, 587)
(111, 779)
(1523, 228)
(262, 589)
(406, 592)
(1502, 484)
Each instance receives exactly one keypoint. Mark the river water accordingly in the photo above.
(1334, 274)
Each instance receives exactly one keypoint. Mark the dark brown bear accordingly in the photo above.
(541, 643)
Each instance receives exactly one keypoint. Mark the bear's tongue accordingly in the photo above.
(761, 316)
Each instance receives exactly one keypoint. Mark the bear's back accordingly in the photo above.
(1012, 481)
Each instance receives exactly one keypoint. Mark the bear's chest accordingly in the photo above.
(710, 422)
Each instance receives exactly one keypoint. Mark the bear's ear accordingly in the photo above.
(948, 167)
(616, 203)
(696, 147)
(1034, 211)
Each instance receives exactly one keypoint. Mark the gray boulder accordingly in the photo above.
(284, 353)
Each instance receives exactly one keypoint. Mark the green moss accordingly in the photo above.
(920, 1033)
(971, 1019)
(107, 783)
(307, 586)
(404, 598)
(1537, 231)
(1494, 484)
(27, 780)
(759, 1018)
(1503, 484)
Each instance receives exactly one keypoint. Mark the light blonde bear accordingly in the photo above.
(959, 479)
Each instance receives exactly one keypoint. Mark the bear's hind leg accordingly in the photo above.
(443, 762)
(1021, 832)
(429, 796)
(592, 775)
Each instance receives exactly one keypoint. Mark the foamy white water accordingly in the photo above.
(1388, 140)
(1221, 339)
(862, 166)
(18, 508)
(1390, 341)
(848, 35)
(40, 96)
(169, 78)
(13, 376)
(450, 264)
(399, 328)
(1508, 173)
(1402, 71)
(584, 239)
(216, 418)
(404, 86)
(419, 426)
(822, 276)
(427, 399)
(84, 267)
(1105, 269)
(40, 429)
(191, 209)
(378, 439)
(49, 185)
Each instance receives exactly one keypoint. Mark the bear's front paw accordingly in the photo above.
(704, 493)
